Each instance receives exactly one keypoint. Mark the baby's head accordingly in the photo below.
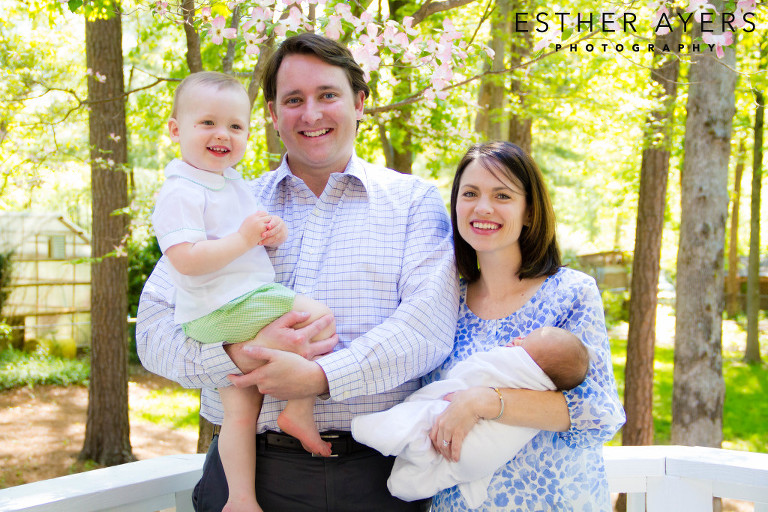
(561, 355)
(210, 120)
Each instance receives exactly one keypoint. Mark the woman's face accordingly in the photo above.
(490, 209)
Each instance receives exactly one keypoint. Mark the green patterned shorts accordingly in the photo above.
(240, 319)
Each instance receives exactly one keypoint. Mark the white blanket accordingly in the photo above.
(419, 471)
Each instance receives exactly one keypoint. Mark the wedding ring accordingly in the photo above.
(446, 443)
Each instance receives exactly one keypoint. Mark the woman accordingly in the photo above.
(513, 283)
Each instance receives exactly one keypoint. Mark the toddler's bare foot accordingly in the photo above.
(306, 433)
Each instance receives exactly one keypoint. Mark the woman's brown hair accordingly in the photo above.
(538, 243)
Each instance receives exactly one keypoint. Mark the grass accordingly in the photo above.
(18, 369)
(744, 409)
(169, 407)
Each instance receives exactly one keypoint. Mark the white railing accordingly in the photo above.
(147, 485)
(675, 478)
(656, 478)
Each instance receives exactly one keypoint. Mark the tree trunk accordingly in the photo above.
(204, 435)
(654, 170)
(194, 59)
(396, 138)
(752, 354)
(520, 125)
(229, 58)
(492, 90)
(732, 288)
(698, 391)
(107, 439)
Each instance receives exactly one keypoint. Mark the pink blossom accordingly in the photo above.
(161, 8)
(699, 7)
(442, 77)
(547, 40)
(407, 23)
(219, 32)
(393, 39)
(449, 31)
(657, 17)
(429, 97)
(334, 28)
(345, 11)
(294, 20)
(259, 17)
(205, 15)
(234, 3)
(366, 17)
(719, 40)
(372, 30)
(252, 43)
(743, 7)
(365, 55)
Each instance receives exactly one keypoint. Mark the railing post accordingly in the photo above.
(184, 501)
(672, 494)
(635, 502)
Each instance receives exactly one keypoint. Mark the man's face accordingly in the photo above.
(316, 113)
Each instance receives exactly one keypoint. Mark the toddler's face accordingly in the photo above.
(211, 126)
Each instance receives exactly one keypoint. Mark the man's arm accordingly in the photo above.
(164, 349)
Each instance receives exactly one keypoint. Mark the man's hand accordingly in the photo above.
(281, 335)
(283, 375)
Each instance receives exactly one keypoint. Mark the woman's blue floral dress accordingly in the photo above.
(556, 471)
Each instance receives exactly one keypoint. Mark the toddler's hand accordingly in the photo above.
(275, 233)
(253, 227)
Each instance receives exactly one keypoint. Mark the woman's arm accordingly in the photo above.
(542, 410)
(594, 406)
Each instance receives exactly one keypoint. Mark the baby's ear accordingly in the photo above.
(173, 129)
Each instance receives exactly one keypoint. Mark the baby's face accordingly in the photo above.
(523, 341)
(211, 126)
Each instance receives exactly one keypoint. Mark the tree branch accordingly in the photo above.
(417, 96)
(429, 8)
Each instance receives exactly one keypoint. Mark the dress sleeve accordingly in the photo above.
(594, 406)
(419, 334)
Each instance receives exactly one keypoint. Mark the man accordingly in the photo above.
(372, 244)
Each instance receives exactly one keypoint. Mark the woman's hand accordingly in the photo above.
(465, 410)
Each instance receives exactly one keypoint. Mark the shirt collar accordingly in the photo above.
(206, 179)
(355, 168)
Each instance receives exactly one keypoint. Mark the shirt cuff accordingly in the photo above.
(343, 373)
(217, 364)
